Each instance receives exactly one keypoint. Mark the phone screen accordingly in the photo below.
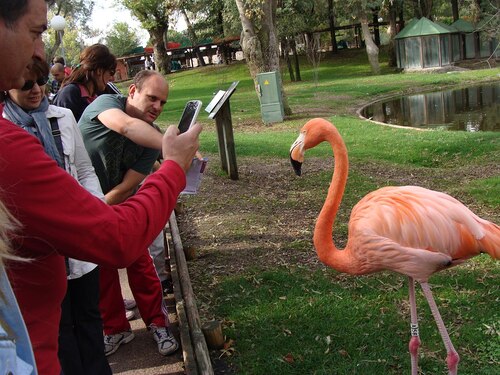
(189, 115)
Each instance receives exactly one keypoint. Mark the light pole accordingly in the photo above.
(58, 23)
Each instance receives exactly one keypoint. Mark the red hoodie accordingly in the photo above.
(59, 218)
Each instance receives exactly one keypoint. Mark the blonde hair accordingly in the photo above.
(8, 223)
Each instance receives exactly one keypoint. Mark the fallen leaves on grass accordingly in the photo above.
(289, 358)
(228, 350)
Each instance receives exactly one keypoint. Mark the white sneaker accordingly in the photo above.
(129, 304)
(113, 342)
(130, 314)
(167, 343)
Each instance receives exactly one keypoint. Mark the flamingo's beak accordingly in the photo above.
(297, 166)
(297, 154)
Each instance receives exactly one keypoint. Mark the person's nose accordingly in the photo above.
(37, 88)
(39, 52)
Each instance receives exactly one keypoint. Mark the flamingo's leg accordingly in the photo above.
(452, 358)
(415, 337)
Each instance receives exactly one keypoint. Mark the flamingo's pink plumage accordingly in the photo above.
(409, 230)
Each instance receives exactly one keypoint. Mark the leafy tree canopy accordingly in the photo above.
(122, 39)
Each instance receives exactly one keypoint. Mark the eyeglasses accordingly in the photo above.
(28, 85)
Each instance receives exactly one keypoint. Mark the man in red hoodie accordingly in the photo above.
(58, 217)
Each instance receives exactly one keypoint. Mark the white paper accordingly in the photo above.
(194, 176)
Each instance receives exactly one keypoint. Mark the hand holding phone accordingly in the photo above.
(181, 148)
(189, 115)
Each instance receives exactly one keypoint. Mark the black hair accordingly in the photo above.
(60, 60)
(12, 10)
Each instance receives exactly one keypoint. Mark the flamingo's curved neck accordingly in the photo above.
(323, 233)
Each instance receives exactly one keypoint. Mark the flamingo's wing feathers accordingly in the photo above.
(381, 253)
(419, 218)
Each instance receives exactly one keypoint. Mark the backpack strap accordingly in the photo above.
(56, 133)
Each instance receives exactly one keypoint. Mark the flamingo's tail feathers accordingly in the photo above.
(490, 243)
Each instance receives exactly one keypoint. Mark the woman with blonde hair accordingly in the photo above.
(87, 80)
(16, 353)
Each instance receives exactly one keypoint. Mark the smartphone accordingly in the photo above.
(189, 115)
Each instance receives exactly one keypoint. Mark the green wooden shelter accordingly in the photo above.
(470, 38)
(475, 44)
(457, 50)
(425, 44)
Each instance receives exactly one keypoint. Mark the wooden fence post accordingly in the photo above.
(220, 109)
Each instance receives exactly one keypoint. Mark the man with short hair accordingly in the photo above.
(60, 60)
(22, 24)
(121, 165)
(57, 217)
(57, 72)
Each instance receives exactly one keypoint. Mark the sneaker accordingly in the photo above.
(130, 314)
(113, 342)
(129, 304)
(167, 343)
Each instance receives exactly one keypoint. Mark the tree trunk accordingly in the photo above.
(199, 57)
(193, 38)
(357, 37)
(376, 29)
(454, 9)
(296, 59)
(250, 43)
(477, 13)
(260, 43)
(51, 53)
(269, 36)
(310, 46)
(417, 12)
(392, 34)
(225, 54)
(371, 47)
(422, 8)
(427, 8)
(220, 24)
(331, 22)
(285, 47)
(162, 60)
(401, 19)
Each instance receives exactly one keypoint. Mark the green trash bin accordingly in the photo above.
(271, 102)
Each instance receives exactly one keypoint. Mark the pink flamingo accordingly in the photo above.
(408, 229)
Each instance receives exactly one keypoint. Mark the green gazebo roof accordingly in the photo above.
(463, 26)
(450, 28)
(421, 27)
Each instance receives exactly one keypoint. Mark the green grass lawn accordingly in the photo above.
(292, 321)
(295, 319)
(343, 81)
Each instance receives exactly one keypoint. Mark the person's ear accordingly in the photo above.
(131, 90)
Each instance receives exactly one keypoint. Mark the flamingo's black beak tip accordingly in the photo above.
(297, 166)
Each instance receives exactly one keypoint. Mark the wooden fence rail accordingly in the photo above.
(195, 350)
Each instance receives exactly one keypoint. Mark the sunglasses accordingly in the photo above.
(28, 85)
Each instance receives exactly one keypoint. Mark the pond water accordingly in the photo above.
(470, 109)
